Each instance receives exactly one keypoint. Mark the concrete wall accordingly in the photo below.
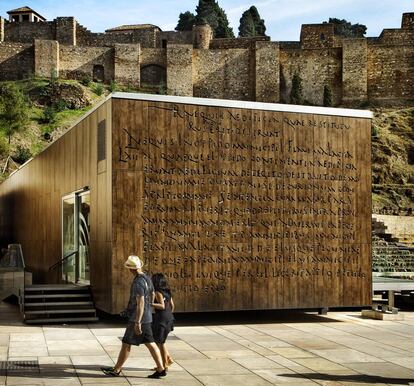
(16, 60)
(223, 74)
(76, 62)
(46, 58)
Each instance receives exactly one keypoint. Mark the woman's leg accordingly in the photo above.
(161, 346)
(123, 356)
(156, 355)
(168, 359)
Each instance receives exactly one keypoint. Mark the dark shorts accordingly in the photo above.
(130, 337)
(161, 331)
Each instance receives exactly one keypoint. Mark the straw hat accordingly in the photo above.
(133, 262)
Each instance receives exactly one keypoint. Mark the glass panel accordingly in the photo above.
(84, 238)
(68, 238)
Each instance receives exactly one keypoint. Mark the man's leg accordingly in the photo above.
(156, 355)
(123, 356)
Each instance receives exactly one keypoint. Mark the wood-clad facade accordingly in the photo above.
(242, 205)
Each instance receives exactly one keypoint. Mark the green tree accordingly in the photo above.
(327, 96)
(259, 23)
(247, 27)
(186, 21)
(223, 29)
(346, 29)
(208, 11)
(13, 110)
(296, 94)
(251, 24)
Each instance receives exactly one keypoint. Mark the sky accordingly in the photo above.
(283, 18)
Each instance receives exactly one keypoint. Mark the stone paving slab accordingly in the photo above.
(305, 349)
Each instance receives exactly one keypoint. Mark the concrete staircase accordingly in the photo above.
(380, 229)
(394, 228)
(391, 258)
(58, 303)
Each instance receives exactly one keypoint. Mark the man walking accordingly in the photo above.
(139, 314)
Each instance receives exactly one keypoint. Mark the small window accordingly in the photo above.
(164, 43)
(101, 140)
(15, 18)
(25, 18)
(322, 36)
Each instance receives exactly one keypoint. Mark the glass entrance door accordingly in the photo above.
(76, 237)
(84, 207)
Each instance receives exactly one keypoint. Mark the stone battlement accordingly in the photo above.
(194, 63)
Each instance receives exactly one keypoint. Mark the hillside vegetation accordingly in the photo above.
(393, 159)
(53, 106)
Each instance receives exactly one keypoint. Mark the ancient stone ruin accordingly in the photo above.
(193, 63)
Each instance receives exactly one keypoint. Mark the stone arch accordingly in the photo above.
(154, 75)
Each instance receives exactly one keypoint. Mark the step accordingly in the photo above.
(62, 320)
(75, 311)
(28, 304)
(54, 287)
(51, 296)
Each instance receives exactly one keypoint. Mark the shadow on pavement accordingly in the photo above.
(359, 378)
(57, 371)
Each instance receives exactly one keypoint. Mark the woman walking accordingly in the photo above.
(163, 320)
(139, 314)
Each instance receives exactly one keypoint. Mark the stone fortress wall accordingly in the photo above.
(193, 63)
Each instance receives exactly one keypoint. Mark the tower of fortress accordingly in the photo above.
(194, 63)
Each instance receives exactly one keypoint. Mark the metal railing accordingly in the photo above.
(62, 261)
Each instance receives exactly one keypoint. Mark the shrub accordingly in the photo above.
(296, 94)
(60, 105)
(327, 96)
(14, 112)
(22, 154)
(113, 86)
(49, 115)
(86, 80)
(54, 77)
(99, 89)
(4, 146)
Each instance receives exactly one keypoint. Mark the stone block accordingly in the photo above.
(180, 69)
(373, 314)
(127, 63)
(46, 58)
(267, 72)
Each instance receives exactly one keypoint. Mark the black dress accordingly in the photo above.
(163, 320)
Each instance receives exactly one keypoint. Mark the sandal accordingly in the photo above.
(110, 371)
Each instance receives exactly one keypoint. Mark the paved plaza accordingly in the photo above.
(340, 348)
